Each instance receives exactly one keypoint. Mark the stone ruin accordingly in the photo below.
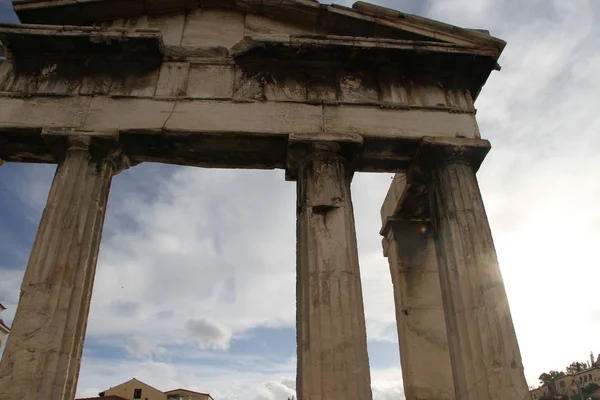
(321, 91)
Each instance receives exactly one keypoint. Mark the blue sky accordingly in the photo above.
(196, 277)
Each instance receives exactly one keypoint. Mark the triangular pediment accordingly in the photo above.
(222, 20)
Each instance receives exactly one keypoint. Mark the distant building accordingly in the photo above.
(138, 390)
(4, 329)
(569, 385)
(183, 394)
(539, 393)
(135, 390)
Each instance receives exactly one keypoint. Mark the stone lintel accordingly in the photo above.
(303, 145)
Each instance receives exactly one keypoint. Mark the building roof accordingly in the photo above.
(123, 383)
(187, 391)
(4, 327)
(362, 19)
(111, 397)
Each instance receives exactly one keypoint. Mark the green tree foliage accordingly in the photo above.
(576, 367)
(590, 389)
(548, 378)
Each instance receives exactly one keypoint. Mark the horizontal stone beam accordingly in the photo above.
(223, 134)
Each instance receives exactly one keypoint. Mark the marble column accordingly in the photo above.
(43, 353)
(426, 369)
(333, 363)
(484, 351)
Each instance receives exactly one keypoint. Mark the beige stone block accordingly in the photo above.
(171, 25)
(211, 82)
(375, 121)
(257, 117)
(44, 112)
(212, 27)
(391, 204)
(173, 79)
(258, 24)
(106, 113)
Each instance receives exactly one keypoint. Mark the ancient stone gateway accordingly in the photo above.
(321, 91)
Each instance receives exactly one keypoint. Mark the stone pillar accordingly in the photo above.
(333, 363)
(484, 352)
(43, 352)
(426, 369)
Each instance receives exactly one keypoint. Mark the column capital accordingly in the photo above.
(434, 151)
(302, 147)
(102, 146)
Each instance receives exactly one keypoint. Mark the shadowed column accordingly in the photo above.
(426, 369)
(484, 351)
(333, 363)
(43, 353)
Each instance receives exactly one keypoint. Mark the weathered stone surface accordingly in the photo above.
(426, 369)
(210, 27)
(358, 88)
(43, 353)
(211, 82)
(258, 24)
(484, 351)
(173, 79)
(288, 88)
(394, 122)
(171, 25)
(332, 345)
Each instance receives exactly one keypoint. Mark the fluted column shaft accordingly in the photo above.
(484, 351)
(422, 337)
(43, 352)
(333, 363)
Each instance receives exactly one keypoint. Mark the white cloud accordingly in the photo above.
(208, 334)
(275, 390)
(141, 348)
